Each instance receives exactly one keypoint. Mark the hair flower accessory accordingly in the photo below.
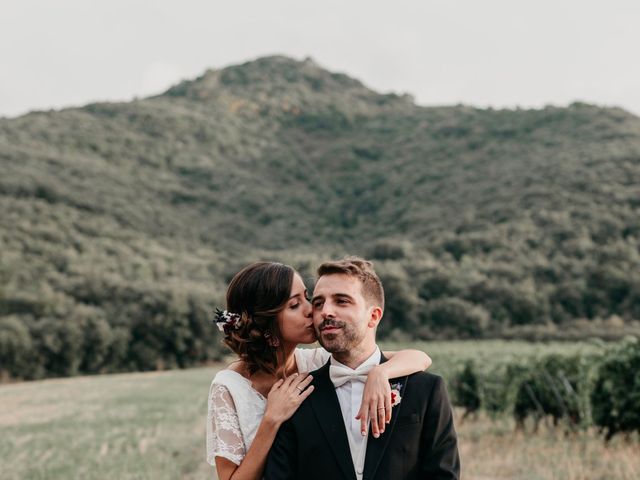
(226, 320)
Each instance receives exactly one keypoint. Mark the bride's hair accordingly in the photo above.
(258, 293)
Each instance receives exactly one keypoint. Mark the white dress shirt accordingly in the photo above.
(350, 397)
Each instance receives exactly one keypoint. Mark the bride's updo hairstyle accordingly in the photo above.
(258, 293)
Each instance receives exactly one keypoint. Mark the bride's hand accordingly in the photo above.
(285, 397)
(376, 402)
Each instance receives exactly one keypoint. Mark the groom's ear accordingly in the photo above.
(375, 316)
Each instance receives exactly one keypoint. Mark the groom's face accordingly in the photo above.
(340, 312)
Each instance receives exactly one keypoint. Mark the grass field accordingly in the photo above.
(151, 426)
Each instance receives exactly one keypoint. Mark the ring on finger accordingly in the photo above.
(381, 408)
(300, 389)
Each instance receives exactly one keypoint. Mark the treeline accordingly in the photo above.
(573, 391)
(138, 330)
(59, 324)
(508, 294)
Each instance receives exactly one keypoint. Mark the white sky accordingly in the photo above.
(57, 53)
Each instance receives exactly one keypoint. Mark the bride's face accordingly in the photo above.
(295, 321)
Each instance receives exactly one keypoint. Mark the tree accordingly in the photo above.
(450, 314)
(16, 348)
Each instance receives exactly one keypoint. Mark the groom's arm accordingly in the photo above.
(282, 459)
(439, 438)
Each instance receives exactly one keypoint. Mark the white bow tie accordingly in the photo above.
(340, 375)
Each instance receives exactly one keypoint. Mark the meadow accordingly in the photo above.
(151, 426)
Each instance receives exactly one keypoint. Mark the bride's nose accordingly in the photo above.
(307, 309)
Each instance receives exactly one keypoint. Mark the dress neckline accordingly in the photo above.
(248, 382)
(245, 380)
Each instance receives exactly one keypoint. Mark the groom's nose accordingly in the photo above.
(327, 310)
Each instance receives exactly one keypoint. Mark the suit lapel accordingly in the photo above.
(326, 407)
(377, 446)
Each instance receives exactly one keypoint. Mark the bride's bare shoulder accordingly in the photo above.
(239, 367)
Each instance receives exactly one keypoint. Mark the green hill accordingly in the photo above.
(120, 223)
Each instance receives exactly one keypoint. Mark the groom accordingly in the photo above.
(323, 440)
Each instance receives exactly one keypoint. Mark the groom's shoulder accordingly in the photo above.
(426, 382)
(427, 378)
(321, 372)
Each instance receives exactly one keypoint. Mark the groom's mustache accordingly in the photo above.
(331, 323)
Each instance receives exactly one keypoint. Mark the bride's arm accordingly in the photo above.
(377, 390)
(283, 400)
(252, 464)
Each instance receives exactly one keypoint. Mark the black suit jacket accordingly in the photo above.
(420, 442)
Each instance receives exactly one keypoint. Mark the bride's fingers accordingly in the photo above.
(364, 420)
(305, 394)
(360, 416)
(295, 382)
(289, 380)
(387, 408)
(373, 415)
(304, 383)
(381, 417)
(296, 388)
(277, 385)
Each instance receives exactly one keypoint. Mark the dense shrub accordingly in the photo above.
(389, 250)
(401, 302)
(499, 386)
(455, 315)
(97, 341)
(616, 395)
(59, 344)
(16, 348)
(465, 389)
(549, 389)
(149, 330)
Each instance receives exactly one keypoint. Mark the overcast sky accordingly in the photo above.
(57, 53)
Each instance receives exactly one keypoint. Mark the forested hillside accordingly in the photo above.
(120, 223)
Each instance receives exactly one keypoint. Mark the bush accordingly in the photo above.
(437, 285)
(59, 345)
(97, 339)
(465, 389)
(499, 387)
(550, 388)
(615, 397)
(455, 315)
(16, 348)
(389, 250)
(401, 302)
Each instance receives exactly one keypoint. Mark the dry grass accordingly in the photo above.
(493, 450)
(132, 426)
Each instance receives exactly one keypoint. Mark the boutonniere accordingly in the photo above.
(395, 394)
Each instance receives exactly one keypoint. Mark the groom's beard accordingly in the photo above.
(341, 340)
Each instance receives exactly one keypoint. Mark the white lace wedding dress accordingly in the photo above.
(236, 409)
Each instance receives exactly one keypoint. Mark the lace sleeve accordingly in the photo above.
(224, 437)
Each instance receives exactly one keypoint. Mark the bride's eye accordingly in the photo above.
(293, 307)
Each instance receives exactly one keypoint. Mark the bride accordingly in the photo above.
(268, 314)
